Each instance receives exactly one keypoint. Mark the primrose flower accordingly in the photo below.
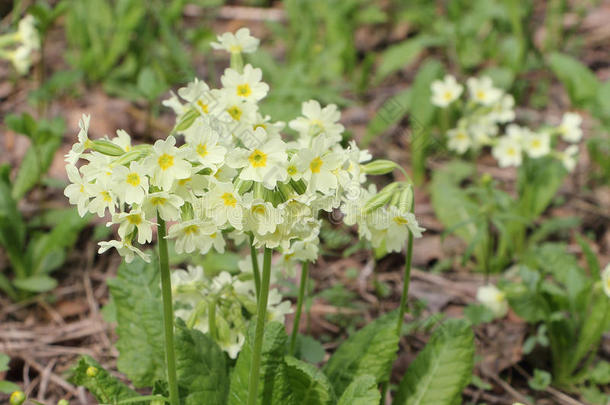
(104, 197)
(77, 190)
(130, 183)
(537, 144)
(132, 221)
(83, 141)
(570, 127)
(163, 203)
(392, 226)
(503, 111)
(125, 249)
(264, 164)
(21, 59)
(246, 85)
(319, 166)
(446, 91)
(459, 140)
(224, 205)
(27, 32)
(482, 90)
(203, 140)
(317, 120)
(167, 163)
(606, 280)
(494, 299)
(568, 157)
(189, 235)
(240, 42)
(508, 152)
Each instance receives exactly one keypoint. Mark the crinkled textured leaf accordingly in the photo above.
(104, 387)
(371, 350)
(440, 372)
(200, 367)
(273, 387)
(362, 391)
(137, 295)
(308, 384)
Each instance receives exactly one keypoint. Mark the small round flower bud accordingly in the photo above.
(17, 398)
(378, 167)
(92, 371)
(106, 147)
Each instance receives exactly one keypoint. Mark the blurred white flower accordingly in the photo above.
(446, 91)
(494, 299)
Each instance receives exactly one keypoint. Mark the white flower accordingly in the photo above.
(261, 217)
(203, 140)
(264, 164)
(103, 197)
(508, 152)
(482, 90)
(503, 111)
(570, 127)
(606, 280)
(83, 141)
(537, 145)
(494, 299)
(276, 309)
(77, 191)
(130, 183)
(459, 140)
(317, 120)
(482, 130)
(167, 205)
(197, 93)
(21, 59)
(132, 221)
(319, 166)
(167, 164)
(568, 157)
(445, 91)
(122, 139)
(189, 235)
(27, 32)
(125, 249)
(246, 85)
(241, 41)
(237, 110)
(224, 205)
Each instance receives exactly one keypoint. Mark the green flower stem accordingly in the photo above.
(212, 319)
(255, 269)
(237, 62)
(261, 315)
(168, 313)
(300, 299)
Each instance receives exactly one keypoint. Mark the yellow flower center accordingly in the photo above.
(235, 112)
(461, 136)
(202, 150)
(133, 179)
(316, 165)
(235, 48)
(82, 188)
(263, 126)
(158, 201)
(182, 182)
(134, 219)
(259, 209)
(511, 152)
(448, 95)
(213, 236)
(106, 196)
(165, 161)
(292, 170)
(536, 143)
(480, 94)
(244, 90)
(229, 199)
(204, 107)
(191, 229)
(401, 220)
(258, 158)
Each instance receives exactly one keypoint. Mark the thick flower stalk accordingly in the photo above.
(229, 172)
(487, 119)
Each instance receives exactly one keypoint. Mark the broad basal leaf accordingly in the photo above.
(308, 385)
(579, 81)
(273, 387)
(104, 387)
(201, 369)
(371, 350)
(137, 295)
(440, 372)
(362, 391)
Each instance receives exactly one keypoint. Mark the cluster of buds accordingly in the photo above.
(487, 119)
(227, 171)
(18, 47)
(221, 306)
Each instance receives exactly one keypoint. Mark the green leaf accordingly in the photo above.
(478, 314)
(590, 257)
(4, 360)
(442, 370)
(309, 349)
(137, 295)
(12, 229)
(308, 384)
(39, 283)
(537, 184)
(580, 82)
(540, 381)
(35, 164)
(7, 387)
(272, 386)
(362, 391)
(200, 367)
(104, 387)
(371, 350)
(398, 57)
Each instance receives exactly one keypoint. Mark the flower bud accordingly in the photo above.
(187, 120)
(243, 186)
(405, 199)
(17, 398)
(381, 166)
(381, 198)
(298, 186)
(106, 147)
(127, 157)
(63, 402)
(92, 371)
